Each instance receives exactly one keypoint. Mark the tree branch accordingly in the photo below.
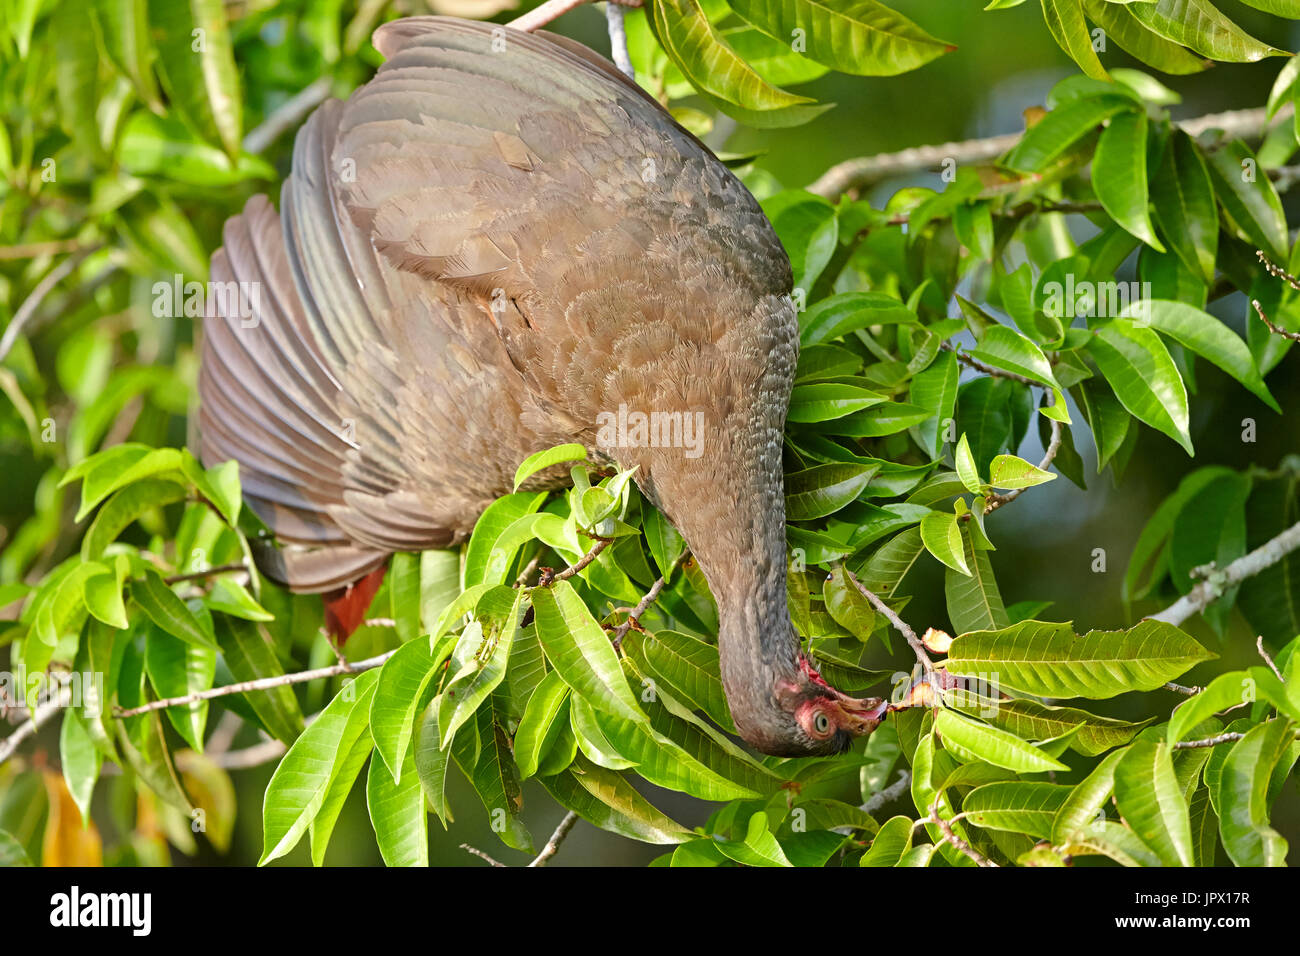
(854, 174)
(40, 718)
(475, 851)
(979, 858)
(261, 683)
(899, 624)
(553, 844)
(614, 14)
(634, 616)
(1214, 584)
(207, 573)
(890, 793)
(37, 296)
(997, 499)
(292, 112)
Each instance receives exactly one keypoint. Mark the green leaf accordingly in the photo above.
(231, 597)
(1119, 175)
(431, 761)
(398, 697)
(299, 786)
(688, 666)
(1249, 198)
(1003, 347)
(12, 852)
(160, 603)
(758, 848)
(824, 489)
(125, 507)
(124, 27)
(1207, 337)
(824, 401)
(974, 600)
(608, 800)
(495, 778)
(967, 470)
(941, 533)
(541, 460)
(696, 48)
(998, 747)
(1070, 31)
(104, 594)
(1145, 45)
(1183, 195)
(80, 760)
(77, 78)
(117, 467)
(1050, 660)
(581, 652)
(341, 783)
(860, 36)
(177, 669)
(890, 844)
(1198, 25)
(218, 485)
(1010, 472)
(935, 390)
(497, 537)
(544, 718)
(249, 657)
(1016, 807)
(398, 815)
(836, 316)
(1151, 801)
(1081, 808)
(1031, 720)
(478, 677)
(1137, 365)
(1060, 129)
(197, 64)
(1241, 793)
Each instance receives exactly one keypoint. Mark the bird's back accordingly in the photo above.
(487, 246)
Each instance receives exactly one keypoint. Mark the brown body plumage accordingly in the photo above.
(495, 241)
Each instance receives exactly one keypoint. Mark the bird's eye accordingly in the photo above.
(821, 723)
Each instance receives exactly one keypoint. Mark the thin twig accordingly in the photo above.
(1208, 741)
(37, 296)
(52, 247)
(480, 854)
(261, 683)
(549, 578)
(553, 844)
(614, 14)
(634, 616)
(1259, 645)
(1213, 587)
(207, 573)
(864, 171)
(998, 499)
(1180, 689)
(544, 14)
(1272, 326)
(253, 756)
(975, 855)
(899, 624)
(985, 367)
(288, 115)
(890, 793)
(40, 718)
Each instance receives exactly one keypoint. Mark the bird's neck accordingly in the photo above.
(733, 520)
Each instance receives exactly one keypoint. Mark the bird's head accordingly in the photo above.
(804, 716)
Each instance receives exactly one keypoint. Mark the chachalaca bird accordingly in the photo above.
(496, 239)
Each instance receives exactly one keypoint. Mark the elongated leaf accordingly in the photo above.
(1062, 128)
(249, 657)
(398, 814)
(431, 761)
(480, 676)
(1080, 810)
(1146, 381)
(998, 747)
(1147, 46)
(608, 800)
(824, 489)
(1015, 806)
(941, 532)
(860, 36)
(160, 603)
(1031, 720)
(177, 669)
(397, 699)
(838, 315)
(935, 390)
(125, 507)
(492, 546)
(1207, 337)
(1152, 803)
(1119, 175)
(495, 779)
(1070, 31)
(581, 652)
(1249, 198)
(1241, 792)
(1050, 660)
(1005, 348)
(299, 786)
(690, 668)
(824, 401)
(974, 600)
(1198, 25)
(1185, 211)
(198, 67)
(80, 760)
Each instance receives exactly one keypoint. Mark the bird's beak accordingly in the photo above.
(861, 715)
